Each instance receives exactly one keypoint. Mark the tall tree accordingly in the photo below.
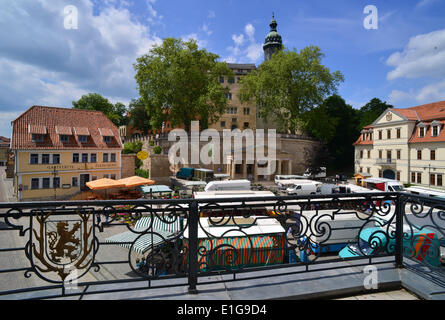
(335, 124)
(371, 111)
(94, 101)
(180, 81)
(138, 116)
(288, 85)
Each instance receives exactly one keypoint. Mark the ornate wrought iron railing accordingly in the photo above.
(66, 248)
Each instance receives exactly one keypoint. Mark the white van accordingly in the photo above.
(227, 185)
(304, 189)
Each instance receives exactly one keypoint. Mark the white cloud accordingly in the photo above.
(427, 94)
(424, 56)
(245, 48)
(201, 43)
(239, 40)
(205, 29)
(97, 57)
(398, 96)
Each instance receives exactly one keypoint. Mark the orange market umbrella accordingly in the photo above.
(104, 183)
(135, 181)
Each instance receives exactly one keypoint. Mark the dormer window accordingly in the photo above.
(82, 139)
(37, 137)
(422, 129)
(107, 139)
(64, 138)
(435, 128)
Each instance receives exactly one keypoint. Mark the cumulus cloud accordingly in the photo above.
(245, 48)
(424, 56)
(41, 62)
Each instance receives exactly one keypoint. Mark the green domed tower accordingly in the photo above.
(273, 41)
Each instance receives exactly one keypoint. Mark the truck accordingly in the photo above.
(315, 172)
(343, 230)
(374, 241)
(301, 189)
(185, 173)
(383, 184)
(227, 185)
(286, 183)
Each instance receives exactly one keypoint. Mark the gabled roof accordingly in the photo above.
(81, 122)
(425, 113)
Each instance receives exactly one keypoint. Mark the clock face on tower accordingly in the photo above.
(389, 116)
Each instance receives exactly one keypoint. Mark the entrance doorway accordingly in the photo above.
(389, 174)
(84, 178)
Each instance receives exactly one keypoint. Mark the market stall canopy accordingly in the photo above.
(156, 189)
(135, 181)
(104, 183)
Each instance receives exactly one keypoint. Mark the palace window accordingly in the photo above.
(112, 157)
(34, 159)
(223, 124)
(105, 157)
(75, 158)
(369, 154)
(380, 134)
(84, 157)
(419, 177)
(413, 177)
(388, 134)
(93, 157)
(419, 154)
(56, 158)
(45, 158)
(398, 133)
(74, 181)
(432, 154)
(398, 154)
(45, 183)
(34, 183)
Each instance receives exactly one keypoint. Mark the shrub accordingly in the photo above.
(157, 150)
(142, 173)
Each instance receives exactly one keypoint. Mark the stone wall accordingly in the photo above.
(128, 165)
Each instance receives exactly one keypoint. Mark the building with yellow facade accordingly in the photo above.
(407, 145)
(4, 149)
(58, 150)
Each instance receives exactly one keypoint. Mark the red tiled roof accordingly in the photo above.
(64, 130)
(4, 142)
(425, 113)
(51, 117)
(427, 137)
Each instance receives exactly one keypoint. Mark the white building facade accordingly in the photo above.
(405, 144)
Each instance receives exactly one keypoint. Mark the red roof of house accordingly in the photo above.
(57, 121)
(4, 142)
(425, 113)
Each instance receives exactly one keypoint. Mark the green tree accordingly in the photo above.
(94, 101)
(179, 81)
(288, 85)
(371, 111)
(138, 116)
(335, 124)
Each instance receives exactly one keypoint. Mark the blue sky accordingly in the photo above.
(43, 63)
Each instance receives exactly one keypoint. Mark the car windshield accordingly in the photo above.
(397, 188)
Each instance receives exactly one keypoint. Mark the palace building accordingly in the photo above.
(58, 150)
(405, 144)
